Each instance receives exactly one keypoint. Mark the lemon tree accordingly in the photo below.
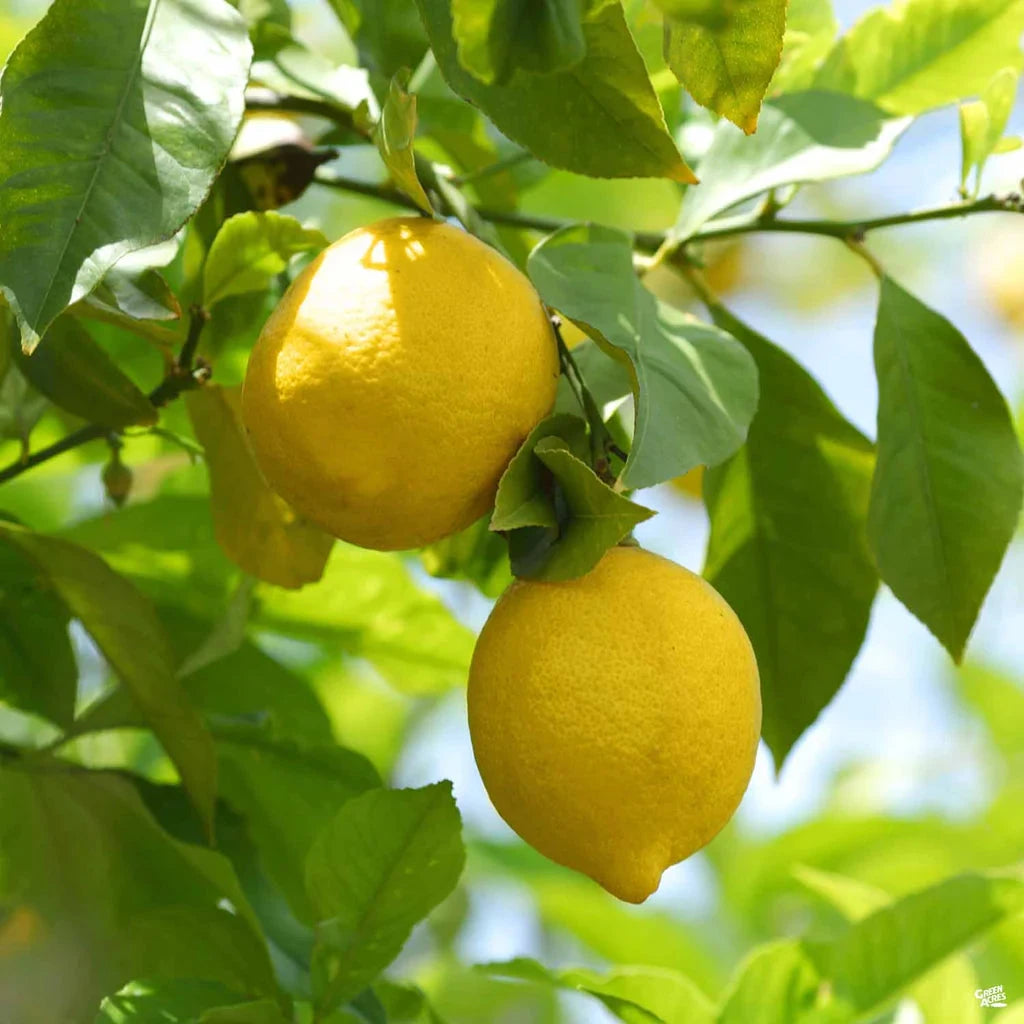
(345, 350)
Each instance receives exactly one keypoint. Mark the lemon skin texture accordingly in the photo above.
(615, 717)
(395, 380)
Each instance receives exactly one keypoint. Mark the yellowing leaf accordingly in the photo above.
(256, 528)
(394, 136)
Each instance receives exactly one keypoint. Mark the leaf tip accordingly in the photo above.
(682, 173)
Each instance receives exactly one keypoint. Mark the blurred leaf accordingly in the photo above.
(405, 1004)
(227, 634)
(788, 547)
(1013, 1014)
(601, 117)
(853, 899)
(102, 153)
(182, 1002)
(776, 984)
(264, 1011)
(386, 859)
(287, 794)
(38, 672)
(126, 629)
(498, 37)
(390, 36)
(804, 137)
(811, 29)
(395, 134)
(249, 249)
(638, 995)
(948, 485)
(75, 373)
(726, 61)
(983, 121)
(21, 406)
(369, 605)
(695, 386)
(475, 554)
(920, 54)
(257, 529)
(999, 701)
(115, 897)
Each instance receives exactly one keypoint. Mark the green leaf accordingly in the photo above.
(395, 134)
(21, 406)
(251, 248)
(390, 36)
(38, 672)
(256, 528)
(983, 121)
(788, 547)
(383, 862)
(287, 793)
(522, 499)
(638, 995)
(948, 484)
(475, 554)
(405, 1004)
(113, 897)
(695, 386)
(139, 296)
(878, 956)
(727, 62)
(127, 631)
(100, 158)
(920, 54)
(76, 374)
(999, 701)
(852, 898)
(811, 29)
(804, 137)
(498, 37)
(174, 1002)
(596, 518)
(777, 984)
(600, 117)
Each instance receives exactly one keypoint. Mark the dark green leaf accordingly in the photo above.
(498, 37)
(126, 629)
(726, 62)
(695, 386)
(600, 117)
(948, 485)
(395, 135)
(21, 406)
(38, 672)
(405, 1004)
(98, 158)
(166, 1002)
(386, 859)
(788, 547)
(75, 373)
(390, 36)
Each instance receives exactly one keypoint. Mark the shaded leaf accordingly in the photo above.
(256, 528)
(804, 137)
(601, 117)
(126, 629)
(386, 859)
(389, 36)
(96, 152)
(475, 554)
(251, 248)
(948, 485)
(695, 386)
(141, 296)
(395, 134)
(21, 406)
(169, 1002)
(788, 546)
(726, 62)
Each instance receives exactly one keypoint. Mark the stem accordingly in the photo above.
(267, 100)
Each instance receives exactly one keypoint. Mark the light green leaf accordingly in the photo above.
(788, 547)
(395, 134)
(804, 137)
(726, 62)
(287, 794)
(1011, 1015)
(256, 528)
(600, 117)
(126, 629)
(879, 955)
(100, 158)
(638, 995)
(251, 248)
(948, 484)
(695, 386)
(811, 29)
(852, 898)
(999, 701)
(383, 862)
(112, 896)
(75, 373)
(777, 984)
(475, 554)
(499, 37)
(38, 672)
(920, 54)
(405, 1004)
(983, 121)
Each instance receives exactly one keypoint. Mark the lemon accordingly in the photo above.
(615, 717)
(395, 380)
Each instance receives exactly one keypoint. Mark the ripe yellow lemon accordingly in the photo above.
(395, 380)
(615, 717)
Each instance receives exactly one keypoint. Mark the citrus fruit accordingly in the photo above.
(395, 380)
(615, 717)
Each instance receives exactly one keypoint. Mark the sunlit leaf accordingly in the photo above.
(182, 1001)
(811, 29)
(395, 135)
(777, 984)
(983, 121)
